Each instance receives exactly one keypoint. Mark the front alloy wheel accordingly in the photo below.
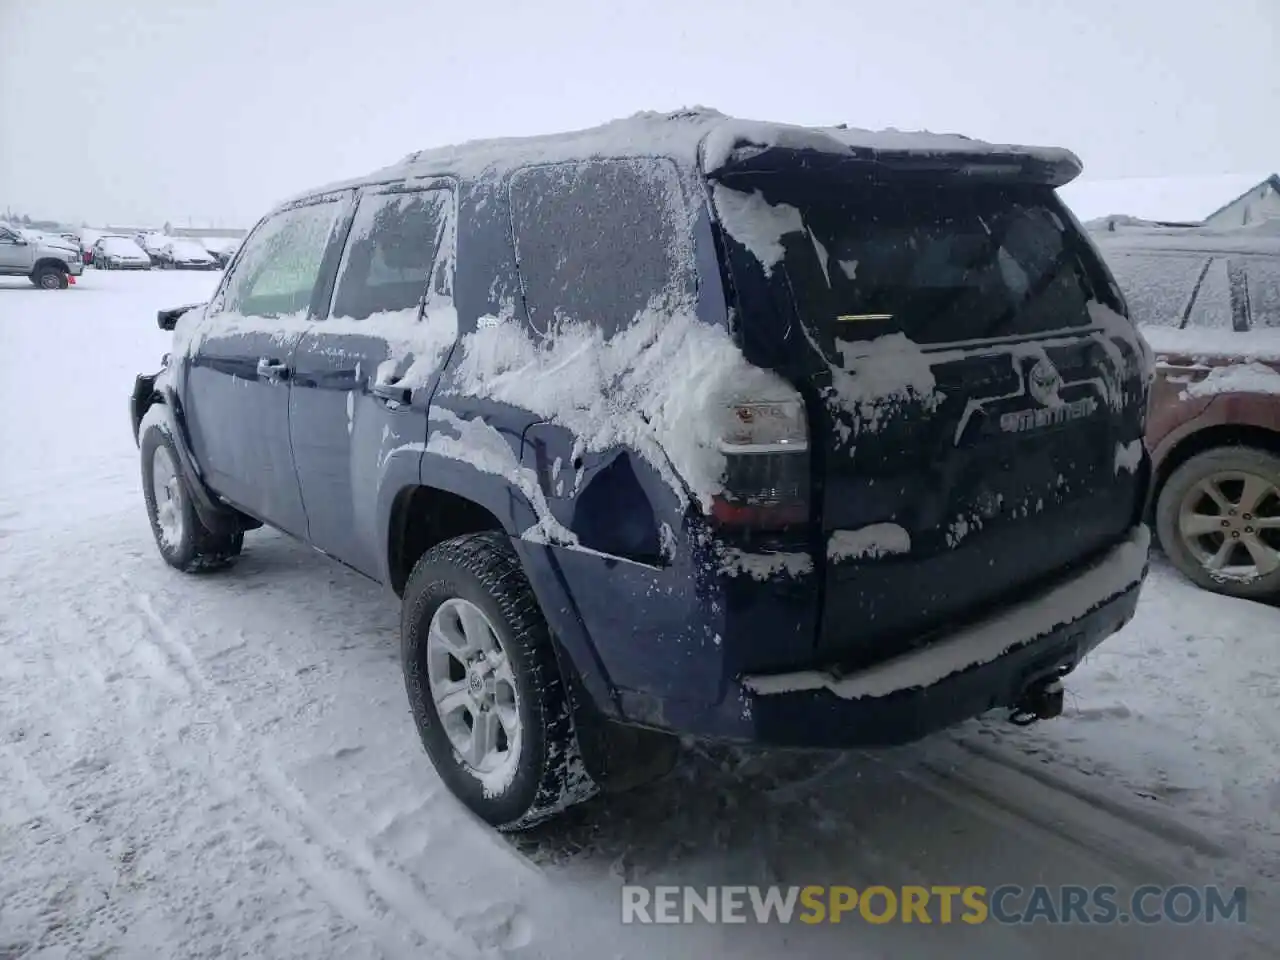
(182, 539)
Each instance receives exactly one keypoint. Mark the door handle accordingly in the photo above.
(391, 392)
(272, 370)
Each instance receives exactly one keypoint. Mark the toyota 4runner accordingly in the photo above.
(680, 425)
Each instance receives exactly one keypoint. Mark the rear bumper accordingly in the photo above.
(822, 718)
(662, 649)
(988, 665)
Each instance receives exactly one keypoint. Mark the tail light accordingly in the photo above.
(765, 443)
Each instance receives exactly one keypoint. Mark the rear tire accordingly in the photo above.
(1194, 521)
(484, 686)
(184, 542)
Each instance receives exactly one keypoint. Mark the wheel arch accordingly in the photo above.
(1210, 438)
(420, 516)
(456, 502)
(45, 263)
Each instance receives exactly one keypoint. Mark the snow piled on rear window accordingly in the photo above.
(659, 386)
(1238, 378)
(877, 540)
(757, 224)
(984, 642)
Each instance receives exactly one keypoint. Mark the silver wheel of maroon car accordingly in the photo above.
(1218, 519)
(484, 686)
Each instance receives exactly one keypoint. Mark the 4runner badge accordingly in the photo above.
(1043, 384)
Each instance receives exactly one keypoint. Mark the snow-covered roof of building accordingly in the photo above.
(1159, 199)
(683, 134)
(1273, 181)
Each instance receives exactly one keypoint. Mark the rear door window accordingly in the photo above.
(277, 269)
(600, 240)
(387, 264)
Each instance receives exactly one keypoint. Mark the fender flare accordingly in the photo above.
(580, 666)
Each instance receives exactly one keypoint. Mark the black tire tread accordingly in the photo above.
(207, 550)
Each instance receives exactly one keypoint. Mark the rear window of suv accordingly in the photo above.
(939, 263)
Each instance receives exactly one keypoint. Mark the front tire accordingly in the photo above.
(484, 686)
(184, 542)
(1218, 521)
(50, 278)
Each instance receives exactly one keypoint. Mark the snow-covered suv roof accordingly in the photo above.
(697, 137)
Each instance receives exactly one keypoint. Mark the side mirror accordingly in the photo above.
(168, 319)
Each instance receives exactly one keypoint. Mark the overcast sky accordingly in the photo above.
(153, 110)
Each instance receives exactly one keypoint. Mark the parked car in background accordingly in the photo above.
(156, 245)
(119, 253)
(88, 238)
(1208, 302)
(48, 266)
(180, 253)
(662, 443)
(221, 249)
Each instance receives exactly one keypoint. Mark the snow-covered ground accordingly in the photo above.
(226, 765)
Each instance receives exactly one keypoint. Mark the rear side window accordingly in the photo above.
(599, 241)
(387, 263)
(277, 269)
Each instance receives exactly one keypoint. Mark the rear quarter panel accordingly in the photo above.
(1178, 410)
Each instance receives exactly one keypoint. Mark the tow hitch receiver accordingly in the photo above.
(1040, 701)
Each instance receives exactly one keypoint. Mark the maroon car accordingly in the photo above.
(1208, 302)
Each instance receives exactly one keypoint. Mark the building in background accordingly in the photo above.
(1258, 203)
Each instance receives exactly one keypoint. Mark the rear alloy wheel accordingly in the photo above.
(50, 278)
(484, 685)
(1218, 519)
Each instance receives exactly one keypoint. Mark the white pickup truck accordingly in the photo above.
(48, 265)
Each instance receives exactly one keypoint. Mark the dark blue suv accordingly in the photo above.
(680, 425)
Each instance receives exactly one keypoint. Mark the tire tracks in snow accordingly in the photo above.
(1144, 845)
(361, 886)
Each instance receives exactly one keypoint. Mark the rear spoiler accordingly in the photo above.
(1052, 168)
